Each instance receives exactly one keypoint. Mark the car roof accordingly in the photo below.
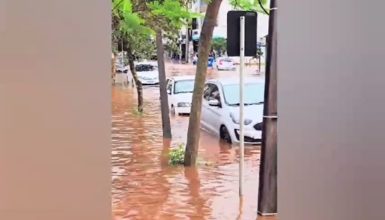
(186, 77)
(146, 62)
(225, 58)
(143, 63)
(235, 80)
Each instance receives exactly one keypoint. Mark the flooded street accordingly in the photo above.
(146, 187)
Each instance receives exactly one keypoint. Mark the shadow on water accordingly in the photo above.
(145, 186)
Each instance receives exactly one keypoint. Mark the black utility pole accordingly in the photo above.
(267, 201)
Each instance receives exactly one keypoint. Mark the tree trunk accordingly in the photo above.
(193, 133)
(113, 68)
(267, 196)
(187, 36)
(138, 83)
(187, 52)
(166, 125)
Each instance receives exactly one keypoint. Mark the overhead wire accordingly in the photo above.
(263, 8)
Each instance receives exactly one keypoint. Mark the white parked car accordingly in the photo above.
(225, 63)
(220, 109)
(147, 73)
(180, 90)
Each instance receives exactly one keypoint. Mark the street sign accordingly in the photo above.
(234, 29)
(241, 41)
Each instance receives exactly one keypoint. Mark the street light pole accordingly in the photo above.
(267, 196)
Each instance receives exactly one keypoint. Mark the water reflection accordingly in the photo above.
(146, 187)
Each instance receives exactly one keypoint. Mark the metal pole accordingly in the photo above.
(187, 37)
(241, 106)
(181, 50)
(267, 193)
(187, 46)
(121, 59)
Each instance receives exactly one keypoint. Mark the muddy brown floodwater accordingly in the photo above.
(145, 187)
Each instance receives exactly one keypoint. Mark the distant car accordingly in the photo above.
(147, 73)
(147, 62)
(180, 90)
(225, 63)
(121, 68)
(220, 109)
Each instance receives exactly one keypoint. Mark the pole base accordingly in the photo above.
(266, 214)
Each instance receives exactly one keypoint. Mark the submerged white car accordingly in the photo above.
(180, 90)
(147, 73)
(220, 109)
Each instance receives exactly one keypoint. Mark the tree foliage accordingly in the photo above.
(252, 5)
(130, 29)
(168, 16)
(170, 11)
(176, 156)
(219, 44)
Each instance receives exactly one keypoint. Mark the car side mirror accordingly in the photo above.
(214, 102)
(169, 91)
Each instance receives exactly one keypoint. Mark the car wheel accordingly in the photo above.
(225, 135)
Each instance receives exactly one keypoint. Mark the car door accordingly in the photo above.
(212, 113)
(170, 92)
(215, 112)
(205, 106)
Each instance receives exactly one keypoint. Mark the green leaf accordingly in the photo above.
(252, 5)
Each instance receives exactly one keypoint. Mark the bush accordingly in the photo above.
(137, 113)
(177, 155)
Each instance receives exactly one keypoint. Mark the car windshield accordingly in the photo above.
(253, 94)
(144, 68)
(184, 86)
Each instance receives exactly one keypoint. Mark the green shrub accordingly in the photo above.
(177, 155)
(137, 113)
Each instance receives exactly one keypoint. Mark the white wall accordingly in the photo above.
(221, 29)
